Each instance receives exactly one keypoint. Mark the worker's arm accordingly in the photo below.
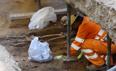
(80, 37)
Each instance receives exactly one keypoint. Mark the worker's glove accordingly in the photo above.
(80, 55)
(63, 20)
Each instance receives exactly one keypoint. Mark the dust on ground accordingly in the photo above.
(14, 39)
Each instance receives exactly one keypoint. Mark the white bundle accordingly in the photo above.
(42, 18)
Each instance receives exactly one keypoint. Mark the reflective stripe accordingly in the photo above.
(79, 39)
(106, 59)
(105, 37)
(97, 37)
(102, 56)
(87, 50)
(101, 39)
(100, 33)
(94, 56)
(75, 46)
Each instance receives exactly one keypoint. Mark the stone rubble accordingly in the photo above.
(7, 63)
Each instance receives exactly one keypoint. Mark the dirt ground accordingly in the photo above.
(18, 47)
(14, 39)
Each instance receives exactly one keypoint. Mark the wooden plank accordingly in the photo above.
(20, 16)
(28, 15)
(61, 11)
(39, 3)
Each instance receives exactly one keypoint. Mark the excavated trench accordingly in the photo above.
(16, 42)
(18, 46)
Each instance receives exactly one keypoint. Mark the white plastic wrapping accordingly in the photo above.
(42, 18)
(39, 51)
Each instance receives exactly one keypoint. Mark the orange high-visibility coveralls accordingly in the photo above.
(90, 39)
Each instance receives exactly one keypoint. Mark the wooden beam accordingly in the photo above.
(61, 11)
(38, 2)
(20, 16)
(28, 15)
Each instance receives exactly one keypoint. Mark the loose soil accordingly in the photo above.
(18, 46)
(15, 39)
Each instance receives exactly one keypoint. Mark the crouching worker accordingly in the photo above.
(91, 40)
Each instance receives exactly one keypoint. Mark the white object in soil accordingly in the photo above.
(39, 51)
(42, 18)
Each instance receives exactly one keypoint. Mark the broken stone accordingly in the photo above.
(7, 63)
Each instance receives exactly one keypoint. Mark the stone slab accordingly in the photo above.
(7, 63)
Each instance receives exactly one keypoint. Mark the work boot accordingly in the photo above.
(91, 68)
(95, 68)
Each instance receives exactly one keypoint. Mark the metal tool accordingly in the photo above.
(68, 32)
(68, 58)
(109, 42)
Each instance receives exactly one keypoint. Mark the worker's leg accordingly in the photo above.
(99, 47)
(94, 49)
(97, 61)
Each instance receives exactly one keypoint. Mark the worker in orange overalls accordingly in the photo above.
(90, 39)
